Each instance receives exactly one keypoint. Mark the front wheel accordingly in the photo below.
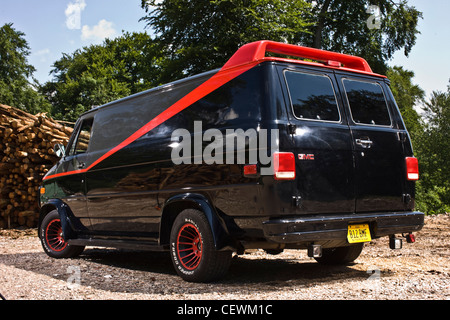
(52, 238)
(193, 253)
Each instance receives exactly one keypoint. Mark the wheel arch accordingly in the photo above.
(176, 204)
(64, 213)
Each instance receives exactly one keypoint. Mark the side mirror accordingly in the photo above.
(60, 150)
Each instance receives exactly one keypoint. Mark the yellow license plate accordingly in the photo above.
(358, 233)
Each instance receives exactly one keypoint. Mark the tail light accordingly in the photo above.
(412, 168)
(284, 166)
(251, 171)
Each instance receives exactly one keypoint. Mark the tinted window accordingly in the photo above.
(236, 104)
(82, 141)
(118, 121)
(367, 102)
(312, 96)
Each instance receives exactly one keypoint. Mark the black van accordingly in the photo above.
(267, 152)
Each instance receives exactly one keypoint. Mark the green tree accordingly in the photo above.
(430, 135)
(407, 96)
(15, 88)
(343, 26)
(201, 35)
(98, 74)
(433, 150)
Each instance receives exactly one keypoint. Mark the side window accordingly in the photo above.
(234, 104)
(367, 102)
(312, 96)
(81, 143)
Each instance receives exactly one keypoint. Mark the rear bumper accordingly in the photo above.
(334, 227)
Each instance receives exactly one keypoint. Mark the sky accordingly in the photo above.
(53, 27)
(430, 57)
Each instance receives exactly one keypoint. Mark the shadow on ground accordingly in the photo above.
(153, 273)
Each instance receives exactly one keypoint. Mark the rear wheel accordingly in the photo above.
(193, 253)
(52, 238)
(340, 255)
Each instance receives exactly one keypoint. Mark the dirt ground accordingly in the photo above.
(420, 270)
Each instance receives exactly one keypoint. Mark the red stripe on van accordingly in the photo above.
(223, 76)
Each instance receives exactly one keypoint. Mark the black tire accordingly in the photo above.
(192, 249)
(340, 255)
(52, 241)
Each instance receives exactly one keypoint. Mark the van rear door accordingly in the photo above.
(321, 142)
(378, 151)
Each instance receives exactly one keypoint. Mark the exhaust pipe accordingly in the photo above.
(394, 242)
(314, 251)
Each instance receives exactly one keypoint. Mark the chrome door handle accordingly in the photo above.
(365, 142)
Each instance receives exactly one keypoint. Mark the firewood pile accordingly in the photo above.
(26, 153)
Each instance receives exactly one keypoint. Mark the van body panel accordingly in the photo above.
(124, 189)
(74, 195)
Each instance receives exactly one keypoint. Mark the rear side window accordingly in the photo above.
(235, 104)
(312, 96)
(367, 102)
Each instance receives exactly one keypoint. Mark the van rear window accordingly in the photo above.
(312, 96)
(367, 102)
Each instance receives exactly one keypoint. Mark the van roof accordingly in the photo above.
(255, 52)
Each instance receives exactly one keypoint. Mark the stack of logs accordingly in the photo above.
(26, 153)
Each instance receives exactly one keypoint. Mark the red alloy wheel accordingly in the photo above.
(53, 236)
(189, 246)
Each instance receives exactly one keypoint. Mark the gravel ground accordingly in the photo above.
(418, 271)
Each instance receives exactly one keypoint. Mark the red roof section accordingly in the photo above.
(256, 51)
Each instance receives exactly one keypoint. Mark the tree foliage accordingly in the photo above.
(15, 88)
(201, 35)
(430, 135)
(98, 74)
(342, 26)
(407, 96)
(433, 151)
